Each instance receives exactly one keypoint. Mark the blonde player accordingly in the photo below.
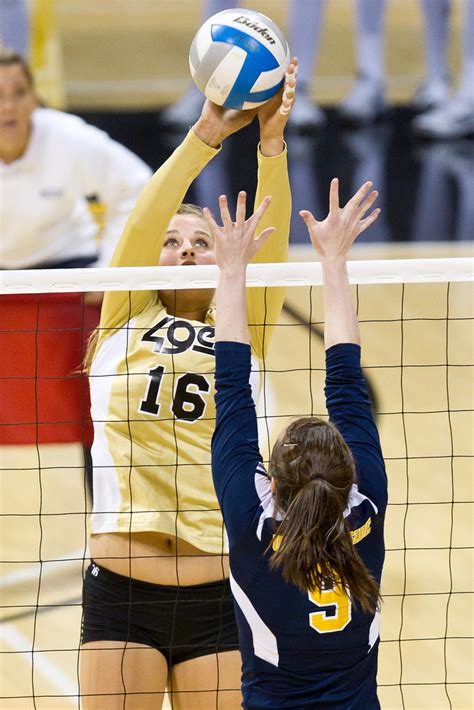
(157, 602)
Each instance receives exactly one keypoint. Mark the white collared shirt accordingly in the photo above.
(44, 212)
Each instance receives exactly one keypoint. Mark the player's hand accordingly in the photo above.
(235, 242)
(273, 114)
(216, 123)
(333, 237)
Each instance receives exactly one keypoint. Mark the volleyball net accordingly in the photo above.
(416, 320)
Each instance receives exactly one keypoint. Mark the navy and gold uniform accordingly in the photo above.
(152, 377)
(299, 650)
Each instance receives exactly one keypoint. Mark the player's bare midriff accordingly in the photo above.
(157, 558)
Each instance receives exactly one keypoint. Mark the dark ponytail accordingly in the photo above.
(313, 470)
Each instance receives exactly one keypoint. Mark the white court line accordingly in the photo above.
(43, 665)
(32, 572)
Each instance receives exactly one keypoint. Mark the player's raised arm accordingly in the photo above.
(346, 392)
(332, 238)
(274, 114)
(264, 305)
(236, 244)
(235, 450)
(142, 238)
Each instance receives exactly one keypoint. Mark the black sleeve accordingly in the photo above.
(349, 408)
(235, 452)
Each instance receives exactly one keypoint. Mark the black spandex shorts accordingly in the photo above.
(181, 622)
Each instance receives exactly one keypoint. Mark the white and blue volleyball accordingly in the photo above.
(238, 58)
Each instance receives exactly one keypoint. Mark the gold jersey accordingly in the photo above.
(152, 377)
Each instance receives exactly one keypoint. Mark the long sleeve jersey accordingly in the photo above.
(152, 378)
(299, 650)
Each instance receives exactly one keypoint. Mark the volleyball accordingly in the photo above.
(238, 58)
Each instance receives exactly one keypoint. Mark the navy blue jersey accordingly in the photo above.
(299, 650)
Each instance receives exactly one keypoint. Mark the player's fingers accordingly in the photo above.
(211, 222)
(289, 91)
(290, 76)
(289, 87)
(367, 203)
(287, 98)
(308, 218)
(292, 70)
(225, 214)
(259, 212)
(240, 208)
(364, 223)
(360, 194)
(263, 236)
(286, 105)
(334, 195)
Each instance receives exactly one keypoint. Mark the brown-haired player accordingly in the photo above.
(306, 539)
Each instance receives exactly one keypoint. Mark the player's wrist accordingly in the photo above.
(334, 264)
(208, 133)
(271, 146)
(232, 272)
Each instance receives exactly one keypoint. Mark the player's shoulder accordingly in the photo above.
(64, 125)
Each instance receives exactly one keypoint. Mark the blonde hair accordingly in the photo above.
(186, 208)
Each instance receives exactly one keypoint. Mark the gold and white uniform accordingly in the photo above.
(152, 377)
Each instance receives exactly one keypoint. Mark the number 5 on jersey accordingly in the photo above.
(187, 404)
(335, 599)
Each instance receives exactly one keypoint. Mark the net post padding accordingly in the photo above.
(44, 394)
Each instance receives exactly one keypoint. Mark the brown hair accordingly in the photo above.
(9, 58)
(313, 470)
(186, 208)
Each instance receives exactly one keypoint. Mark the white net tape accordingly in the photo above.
(144, 278)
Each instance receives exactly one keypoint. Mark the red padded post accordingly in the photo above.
(44, 398)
